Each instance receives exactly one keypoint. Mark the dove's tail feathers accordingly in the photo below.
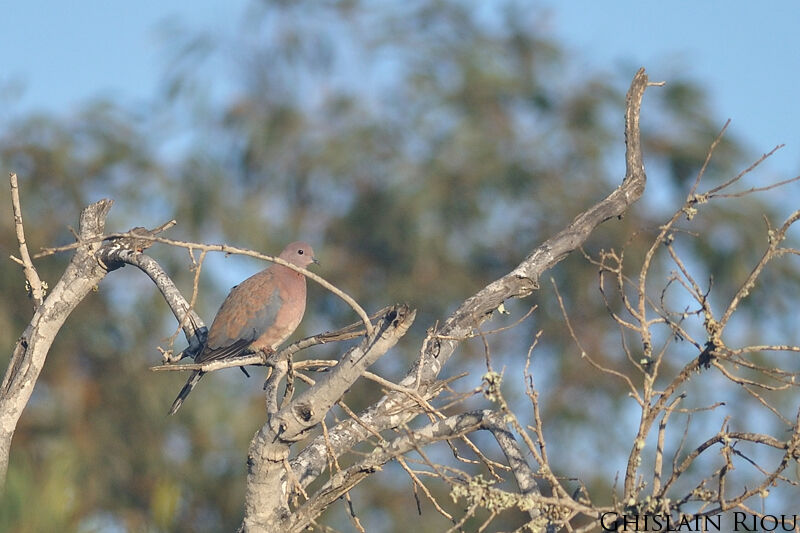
(190, 384)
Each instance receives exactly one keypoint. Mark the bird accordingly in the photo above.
(258, 314)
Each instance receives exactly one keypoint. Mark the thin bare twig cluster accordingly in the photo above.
(661, 317)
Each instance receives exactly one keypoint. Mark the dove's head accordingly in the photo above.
(299, 253)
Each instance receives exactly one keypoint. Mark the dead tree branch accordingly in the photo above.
(82, 274)
(394, 408)
(35, 285)
(266, 508)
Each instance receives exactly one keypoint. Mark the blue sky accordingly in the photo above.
(746, 54)
(55, 55)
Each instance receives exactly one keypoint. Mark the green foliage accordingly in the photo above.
(424, 148)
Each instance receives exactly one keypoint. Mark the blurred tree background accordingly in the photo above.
(423, 148)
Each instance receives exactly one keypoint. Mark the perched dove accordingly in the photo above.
(259, 314)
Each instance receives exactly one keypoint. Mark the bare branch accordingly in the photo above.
(260, 358)
(264, 506)
(231, 250)
(393, 409)
(82, 274)
(121, 252)
(31, 276)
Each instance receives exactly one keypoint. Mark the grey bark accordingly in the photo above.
(82, 274)
(268, 489)
(93, 259)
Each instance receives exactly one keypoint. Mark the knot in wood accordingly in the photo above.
(132, 243)
(525, 286)
(304, 412)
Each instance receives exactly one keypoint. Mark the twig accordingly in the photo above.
(233, 250)
(744, 172)
(710, 152)
(417, 482)
(31, 276)
(584, 354)
(479, 333)
(260, 358)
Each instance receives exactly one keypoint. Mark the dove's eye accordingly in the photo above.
(301, 252)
